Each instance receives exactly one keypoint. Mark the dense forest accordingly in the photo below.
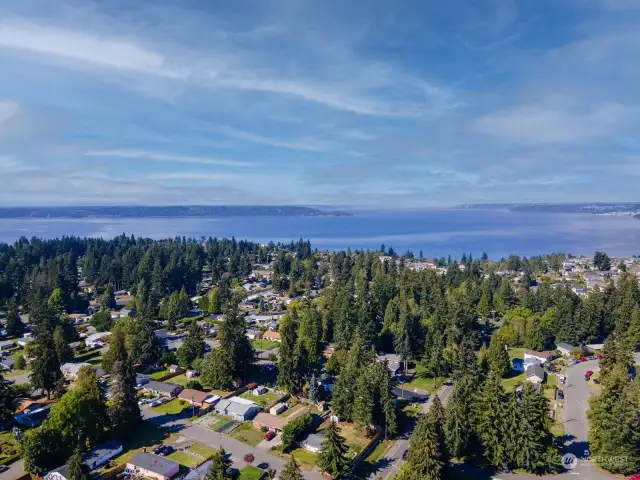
(455, 321)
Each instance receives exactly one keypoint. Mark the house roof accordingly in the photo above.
(109, 448)
(153, 463)
(8, 362)
(240, 408)
(164, 387)
(195, 395)
(271, 421)
(199, 473)
(566, 346)
(271, 335)
(535, 370)
(314, 440)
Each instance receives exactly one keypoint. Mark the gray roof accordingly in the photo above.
(153, 463)
(101, 451)
(200, 472)
(240, 408)
(566, 346)
(8, 362)
(314, 440)
(164, 387)
(535, 369)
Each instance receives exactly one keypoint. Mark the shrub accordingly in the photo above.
(194, 385)
(295, 429)
(20, 363)
(249, 458)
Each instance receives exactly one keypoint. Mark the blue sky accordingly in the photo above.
(372, 103)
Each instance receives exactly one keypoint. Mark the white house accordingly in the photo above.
(102, 454)
(535, 373)
(240, 409)
(278, 408)
(565, 348)
(313, 443)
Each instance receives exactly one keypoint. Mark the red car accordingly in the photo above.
(584, 359)
(600, 356)
(635, 476)
(269, 436)
(589, 373)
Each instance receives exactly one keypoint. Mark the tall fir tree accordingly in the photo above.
(75, 467)
(288, 374)
(424, 459)
(458, 425)
(291, 470)
(219, 466)
(332, 458)
(124, 412)
(489, 420)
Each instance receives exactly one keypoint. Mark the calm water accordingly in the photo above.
(436, 232)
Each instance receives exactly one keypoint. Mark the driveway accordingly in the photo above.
(16, 469)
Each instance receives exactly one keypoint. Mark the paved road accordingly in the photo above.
(392, 460)
(16, 469)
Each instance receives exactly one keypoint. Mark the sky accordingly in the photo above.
(374, 103)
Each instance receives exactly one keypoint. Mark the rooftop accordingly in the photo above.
(153, 463)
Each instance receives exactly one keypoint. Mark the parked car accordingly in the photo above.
(589, 373)
(269, 435)
(405, 454)
(635, 476)
(560, 394)
(583, 359)
(3, 468)
(599, 356)
(165, 450)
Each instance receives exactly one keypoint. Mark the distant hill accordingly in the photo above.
(594, 208)
(166, 211)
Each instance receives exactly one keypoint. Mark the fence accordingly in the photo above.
(366, 450)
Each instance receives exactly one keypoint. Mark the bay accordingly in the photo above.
(437, 232)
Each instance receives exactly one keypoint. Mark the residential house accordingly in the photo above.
(125, 312)
(7, 344)
(192, 373)
(175, 369)
(595, 347)
(565, 348)
(313, 443)
(164, 389)
(394, 363)
(259, 390)
(97, 340)
(147, 465)
(102, 454)
(70, 370)
(33, 415)
(24, 341)
(240, 409)
(535, 373)
(273, 326)
(60, 473)
(278, 408)
(270, 422)
(271, 336)
(142, 379)
(77, 318)
(199, 473)
(198, 398)
(326, 382)
(253, 333)
(7, 363)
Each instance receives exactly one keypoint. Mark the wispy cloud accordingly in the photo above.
(165, 157)
(305, 144)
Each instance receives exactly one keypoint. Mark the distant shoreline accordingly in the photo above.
(631, 209)
(177, 211)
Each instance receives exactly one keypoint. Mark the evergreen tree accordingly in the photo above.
(75, 467)
(458, 425)
(144, 348)
(498, 357)
(291, 470)
(424, 460)
(124, 411)
(219, 466)
(14, 325)
(313, 389)
(332, 458)
(63, 350)
(234, 341)
(193, 346)
(107, 300)
(490, 420)
(363, 402)
(288, 375)
(217, 369)
(45, 366)
(56, 302)
(7, 396)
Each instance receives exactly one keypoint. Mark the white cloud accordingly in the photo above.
(119, 54)
(164, 157)
(305, 144)
(533, 124)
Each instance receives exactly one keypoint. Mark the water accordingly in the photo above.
(435, 232)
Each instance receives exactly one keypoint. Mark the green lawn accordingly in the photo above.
(160, 373)
(513, 379)
(250, 473)
(183, 458)
(86, 356)
(202, 450)
(517, 352)
(173, 407)
(304, 458)
(422, 382)
(261, 344)
(181, 379)
(10, 450)
(247, 434)
(15, 355)
(214, 421)
(262, 400)
(370, 464)
(290, 411)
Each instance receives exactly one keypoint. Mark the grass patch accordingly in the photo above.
(250, 473)
(217, 421)
(262, 400)
(513, 379)
(422, 382)
(85, 357)
(304, 458)
(183, 458)
(517, 352)
(291, 411)
(203, 450)
(261, 344)
(15, 355)
(247, 434)
(181, 379)
(160, 373)
(370, 464)
(174, 407)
